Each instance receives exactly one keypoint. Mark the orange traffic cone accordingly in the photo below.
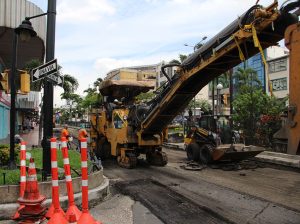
(72, 218)
(33, 211)
(72, 206)
(57, 216)
(54, 171)
(86, 217)
(22, 176)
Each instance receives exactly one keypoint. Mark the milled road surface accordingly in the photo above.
(174, 195)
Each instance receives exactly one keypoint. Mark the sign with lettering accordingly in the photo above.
(44, 70)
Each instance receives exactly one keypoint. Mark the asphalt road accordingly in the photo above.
(170, 194)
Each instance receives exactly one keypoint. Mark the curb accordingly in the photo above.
(266, 156)
(95, 195)
(277, 158)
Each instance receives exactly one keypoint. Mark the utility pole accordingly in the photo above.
(231, 97)
(12, 164)
(48, 89)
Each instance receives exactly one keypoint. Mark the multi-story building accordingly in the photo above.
(138, 73)
(276, 57)
(256, 63)
(12, 13)
(278, 72)
(161, 79)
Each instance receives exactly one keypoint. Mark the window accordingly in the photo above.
(279, 84)
(118, 122)
(278, 65)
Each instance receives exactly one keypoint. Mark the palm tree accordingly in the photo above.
(182, 57)
(97, 83)
(70, 84)
(224, 79)
(246, 78)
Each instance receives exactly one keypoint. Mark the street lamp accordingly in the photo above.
(25, 31)
(219, 87)
(198, 45)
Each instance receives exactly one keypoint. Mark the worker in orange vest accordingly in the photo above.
(82, 133)
(65, 133)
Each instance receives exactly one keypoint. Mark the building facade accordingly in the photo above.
(145, 73)
(278, 72)
(12, 13)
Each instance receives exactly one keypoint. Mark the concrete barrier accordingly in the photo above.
(98, 189)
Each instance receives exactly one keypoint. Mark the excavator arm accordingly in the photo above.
(255, 30)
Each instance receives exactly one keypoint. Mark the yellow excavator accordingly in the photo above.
(125, 129)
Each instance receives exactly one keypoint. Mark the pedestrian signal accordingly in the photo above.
(4, 81)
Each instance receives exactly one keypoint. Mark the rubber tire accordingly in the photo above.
(103, 150)
(193, 152)
(206, 154)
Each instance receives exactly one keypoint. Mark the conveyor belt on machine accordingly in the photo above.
(217, 56)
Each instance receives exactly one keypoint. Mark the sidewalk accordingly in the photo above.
(32, 137)
(266, 156)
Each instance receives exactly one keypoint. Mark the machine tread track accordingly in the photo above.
(129, 162)
(157, 158)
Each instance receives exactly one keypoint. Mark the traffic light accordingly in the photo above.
(24, 82)
(4, 81)
(224, 99)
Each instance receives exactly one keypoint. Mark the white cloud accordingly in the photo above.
(96, 36)
(77, 11)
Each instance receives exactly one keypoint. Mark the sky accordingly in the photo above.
(96, 36)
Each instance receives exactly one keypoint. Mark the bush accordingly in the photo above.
(4, 155)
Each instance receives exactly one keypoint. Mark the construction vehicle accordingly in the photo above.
(208, 140)
(287, 139)
(125, 129)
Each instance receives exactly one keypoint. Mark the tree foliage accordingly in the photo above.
(202, 103)
(93, 99)
(144, 97)
(70, 84)
(255, 113)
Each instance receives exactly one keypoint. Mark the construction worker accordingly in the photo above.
(82, 133)
(65, 133)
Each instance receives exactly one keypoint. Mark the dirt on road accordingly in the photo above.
(174, 195)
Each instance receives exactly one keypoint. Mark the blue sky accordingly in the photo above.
(95, 36)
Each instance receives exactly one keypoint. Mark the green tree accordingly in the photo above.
(255, 113)
(144, 97)
(247, 111)
(202, 103)
(270, 120)
(70, 84)
(93, 99)
(247, 80)
(182, 57)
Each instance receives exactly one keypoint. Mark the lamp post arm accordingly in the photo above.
(39, 15)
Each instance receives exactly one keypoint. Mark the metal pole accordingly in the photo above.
(48, 89)
(213, 97)
(12, 164)
(231, 97)
(218, 101)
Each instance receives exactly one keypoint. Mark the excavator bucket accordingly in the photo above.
(236, 152)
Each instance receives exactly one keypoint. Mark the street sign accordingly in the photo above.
(56, 79)
(44, 70)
